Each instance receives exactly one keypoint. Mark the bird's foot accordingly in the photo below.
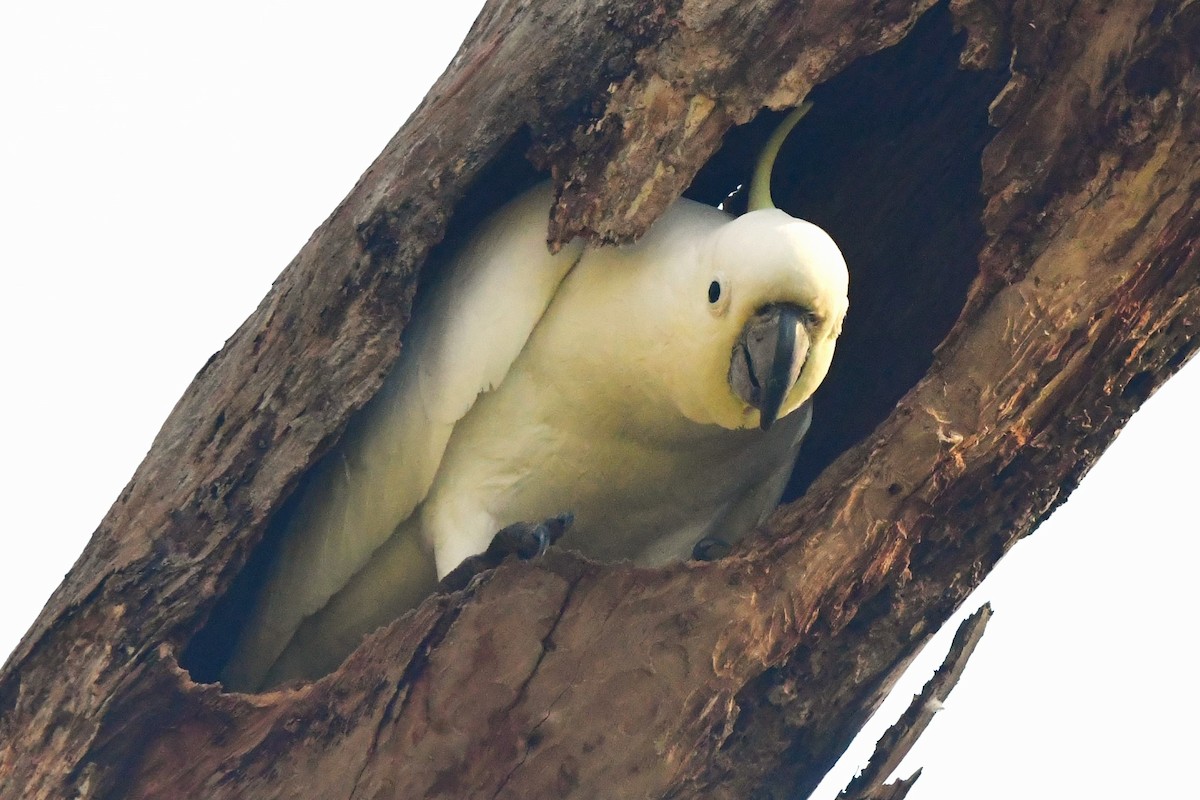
(525, 540)
(711, 548)
(528, 540)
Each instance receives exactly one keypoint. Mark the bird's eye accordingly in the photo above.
(714, 292)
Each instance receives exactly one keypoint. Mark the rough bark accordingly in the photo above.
(1058, 299)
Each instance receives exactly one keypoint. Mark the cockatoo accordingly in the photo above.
(658, 391)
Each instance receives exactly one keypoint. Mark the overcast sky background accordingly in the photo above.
(161, 163)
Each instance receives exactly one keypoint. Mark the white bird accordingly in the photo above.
(659, 391)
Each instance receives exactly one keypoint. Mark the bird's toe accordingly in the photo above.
(529, 540)
(711, 548)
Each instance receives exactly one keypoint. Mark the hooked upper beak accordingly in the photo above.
(767, 359)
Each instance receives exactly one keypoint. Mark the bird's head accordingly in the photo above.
(773, 293)
(710, 319)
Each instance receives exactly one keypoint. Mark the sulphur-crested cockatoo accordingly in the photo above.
(658, 391)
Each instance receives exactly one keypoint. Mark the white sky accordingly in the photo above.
(160, 164)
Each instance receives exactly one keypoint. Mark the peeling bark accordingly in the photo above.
(1068, 292)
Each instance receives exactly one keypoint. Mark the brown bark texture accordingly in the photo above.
(1014, 184)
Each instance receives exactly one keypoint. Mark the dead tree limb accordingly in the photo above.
(1057, 301)
(898, 740)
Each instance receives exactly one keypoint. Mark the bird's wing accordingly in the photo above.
(460, 343)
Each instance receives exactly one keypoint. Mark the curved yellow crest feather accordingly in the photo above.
(760, 184)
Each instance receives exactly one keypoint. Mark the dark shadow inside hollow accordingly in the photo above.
(888, 163)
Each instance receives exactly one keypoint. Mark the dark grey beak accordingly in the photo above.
(767, 359)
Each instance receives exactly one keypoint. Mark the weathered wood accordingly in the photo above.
(899, 739)
(746, 675)
(897, 790)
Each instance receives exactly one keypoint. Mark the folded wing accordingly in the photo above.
(461, 342)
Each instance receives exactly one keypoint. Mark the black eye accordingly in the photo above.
(714, 292)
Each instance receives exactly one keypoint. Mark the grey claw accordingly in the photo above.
(529, 540)
(525, 540)
(535, 544)
(711, 548)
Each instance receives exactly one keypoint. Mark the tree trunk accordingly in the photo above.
(1017, 203)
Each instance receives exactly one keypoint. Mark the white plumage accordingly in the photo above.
(617, 383)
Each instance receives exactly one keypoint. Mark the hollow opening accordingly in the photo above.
(888, 163)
